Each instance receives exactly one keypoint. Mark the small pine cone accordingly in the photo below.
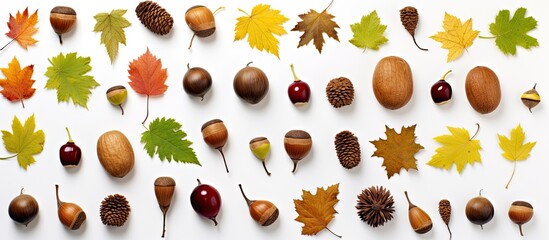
(154, 17)
(445, 210)
(114, 210)
(409, 18)
(347, 149)
(340, 92)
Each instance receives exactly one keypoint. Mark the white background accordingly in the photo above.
(88, 184)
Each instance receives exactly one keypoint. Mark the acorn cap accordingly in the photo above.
(522, 204)
(164, 182)
(211, 122)
(63, 10)
(297, 134)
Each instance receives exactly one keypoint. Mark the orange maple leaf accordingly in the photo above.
(317, 211)
(18, 83)
(148, 77)
(22, 27)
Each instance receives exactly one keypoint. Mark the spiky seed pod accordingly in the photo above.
(340, 92)
(114, 210)
(154, 17)
(347, 149)
(409, 18)
(375, 206)
(445, 211)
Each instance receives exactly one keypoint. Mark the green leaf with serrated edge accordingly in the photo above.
(23, 141)
(66, 74)
(111, 25)
(368, 33)
(512, 32)
(166, 139)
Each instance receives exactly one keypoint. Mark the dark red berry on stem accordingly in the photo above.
(70, 153)
(299, 91)
(441, 91)
(206, 201)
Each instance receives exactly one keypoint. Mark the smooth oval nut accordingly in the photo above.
(115, 153)
(392, 82)
(483, 89)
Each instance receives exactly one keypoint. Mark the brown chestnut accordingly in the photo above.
(520, 213)
(23, 208)
(479, 210)
(197, 82)
(251, 84)
(297, 144)
(62, 20)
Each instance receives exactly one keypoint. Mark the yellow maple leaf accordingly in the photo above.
(456, 148)
(456, 36)
(514, 148)
(316, 211)
(261, 27)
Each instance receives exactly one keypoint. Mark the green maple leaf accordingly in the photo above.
(66, 74)
(369, 32)
(510, 33)
(111, 25)
(24, 142)
(165, 138)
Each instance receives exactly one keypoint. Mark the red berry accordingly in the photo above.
(70, 154)
(206, 201)
(441, 91)
(299, 91)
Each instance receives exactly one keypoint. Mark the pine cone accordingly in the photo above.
(347, 149)
(375, 206)
(154, 17)
(114, 210)
(340, 92)
(445, 211)
(409, 18)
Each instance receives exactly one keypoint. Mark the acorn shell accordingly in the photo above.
(115, 153)
(297, 144)
(483, 89)
(263, 212)
(62, 19)
(251, 84)
(419, 219)
(520, 213)
(200, 20)
(215, 133)
(392, 82)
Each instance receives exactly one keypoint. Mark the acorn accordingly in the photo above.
(419, 219)
(520, 213)
(215, 135)
(117, 96)
(262, 211)
(479, 210)
(251, 84)
(62, 20)
(531, 98)
(201, 21)
(164, 188)
(260, 147)
(298, 144)
(23, 208)
(70, 214)
(197, 82)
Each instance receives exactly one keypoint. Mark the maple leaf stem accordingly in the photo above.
(219, 9)
(326, 9)
(420, 48)
(478, 129)
(6, 158)
(483, 37)
(512, 174)
(146, 116)
(244, 12)
(22, 103)
(339, 236)
(7, 44)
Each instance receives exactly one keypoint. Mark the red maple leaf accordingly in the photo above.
(18, 83)
(148, 77)
(22, 27)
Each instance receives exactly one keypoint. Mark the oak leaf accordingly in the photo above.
(514, 148)
(261, 27)
(456, 148)
(24, 141)
(397, 150)
(512, 32)
(313, 25)
(456, 37)
(111, 25)
(18, 83)
(147, 77)
(165, 138)
(66, 74)
(22, 27)
(317, 211)
(368, 33)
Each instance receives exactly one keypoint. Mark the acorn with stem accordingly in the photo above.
(201, 21)
(262, 211)
(260, 147)
(297, 144)
(164, 188)
(215, 134)
(531, 98)
(117, 96)
(419, 219)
